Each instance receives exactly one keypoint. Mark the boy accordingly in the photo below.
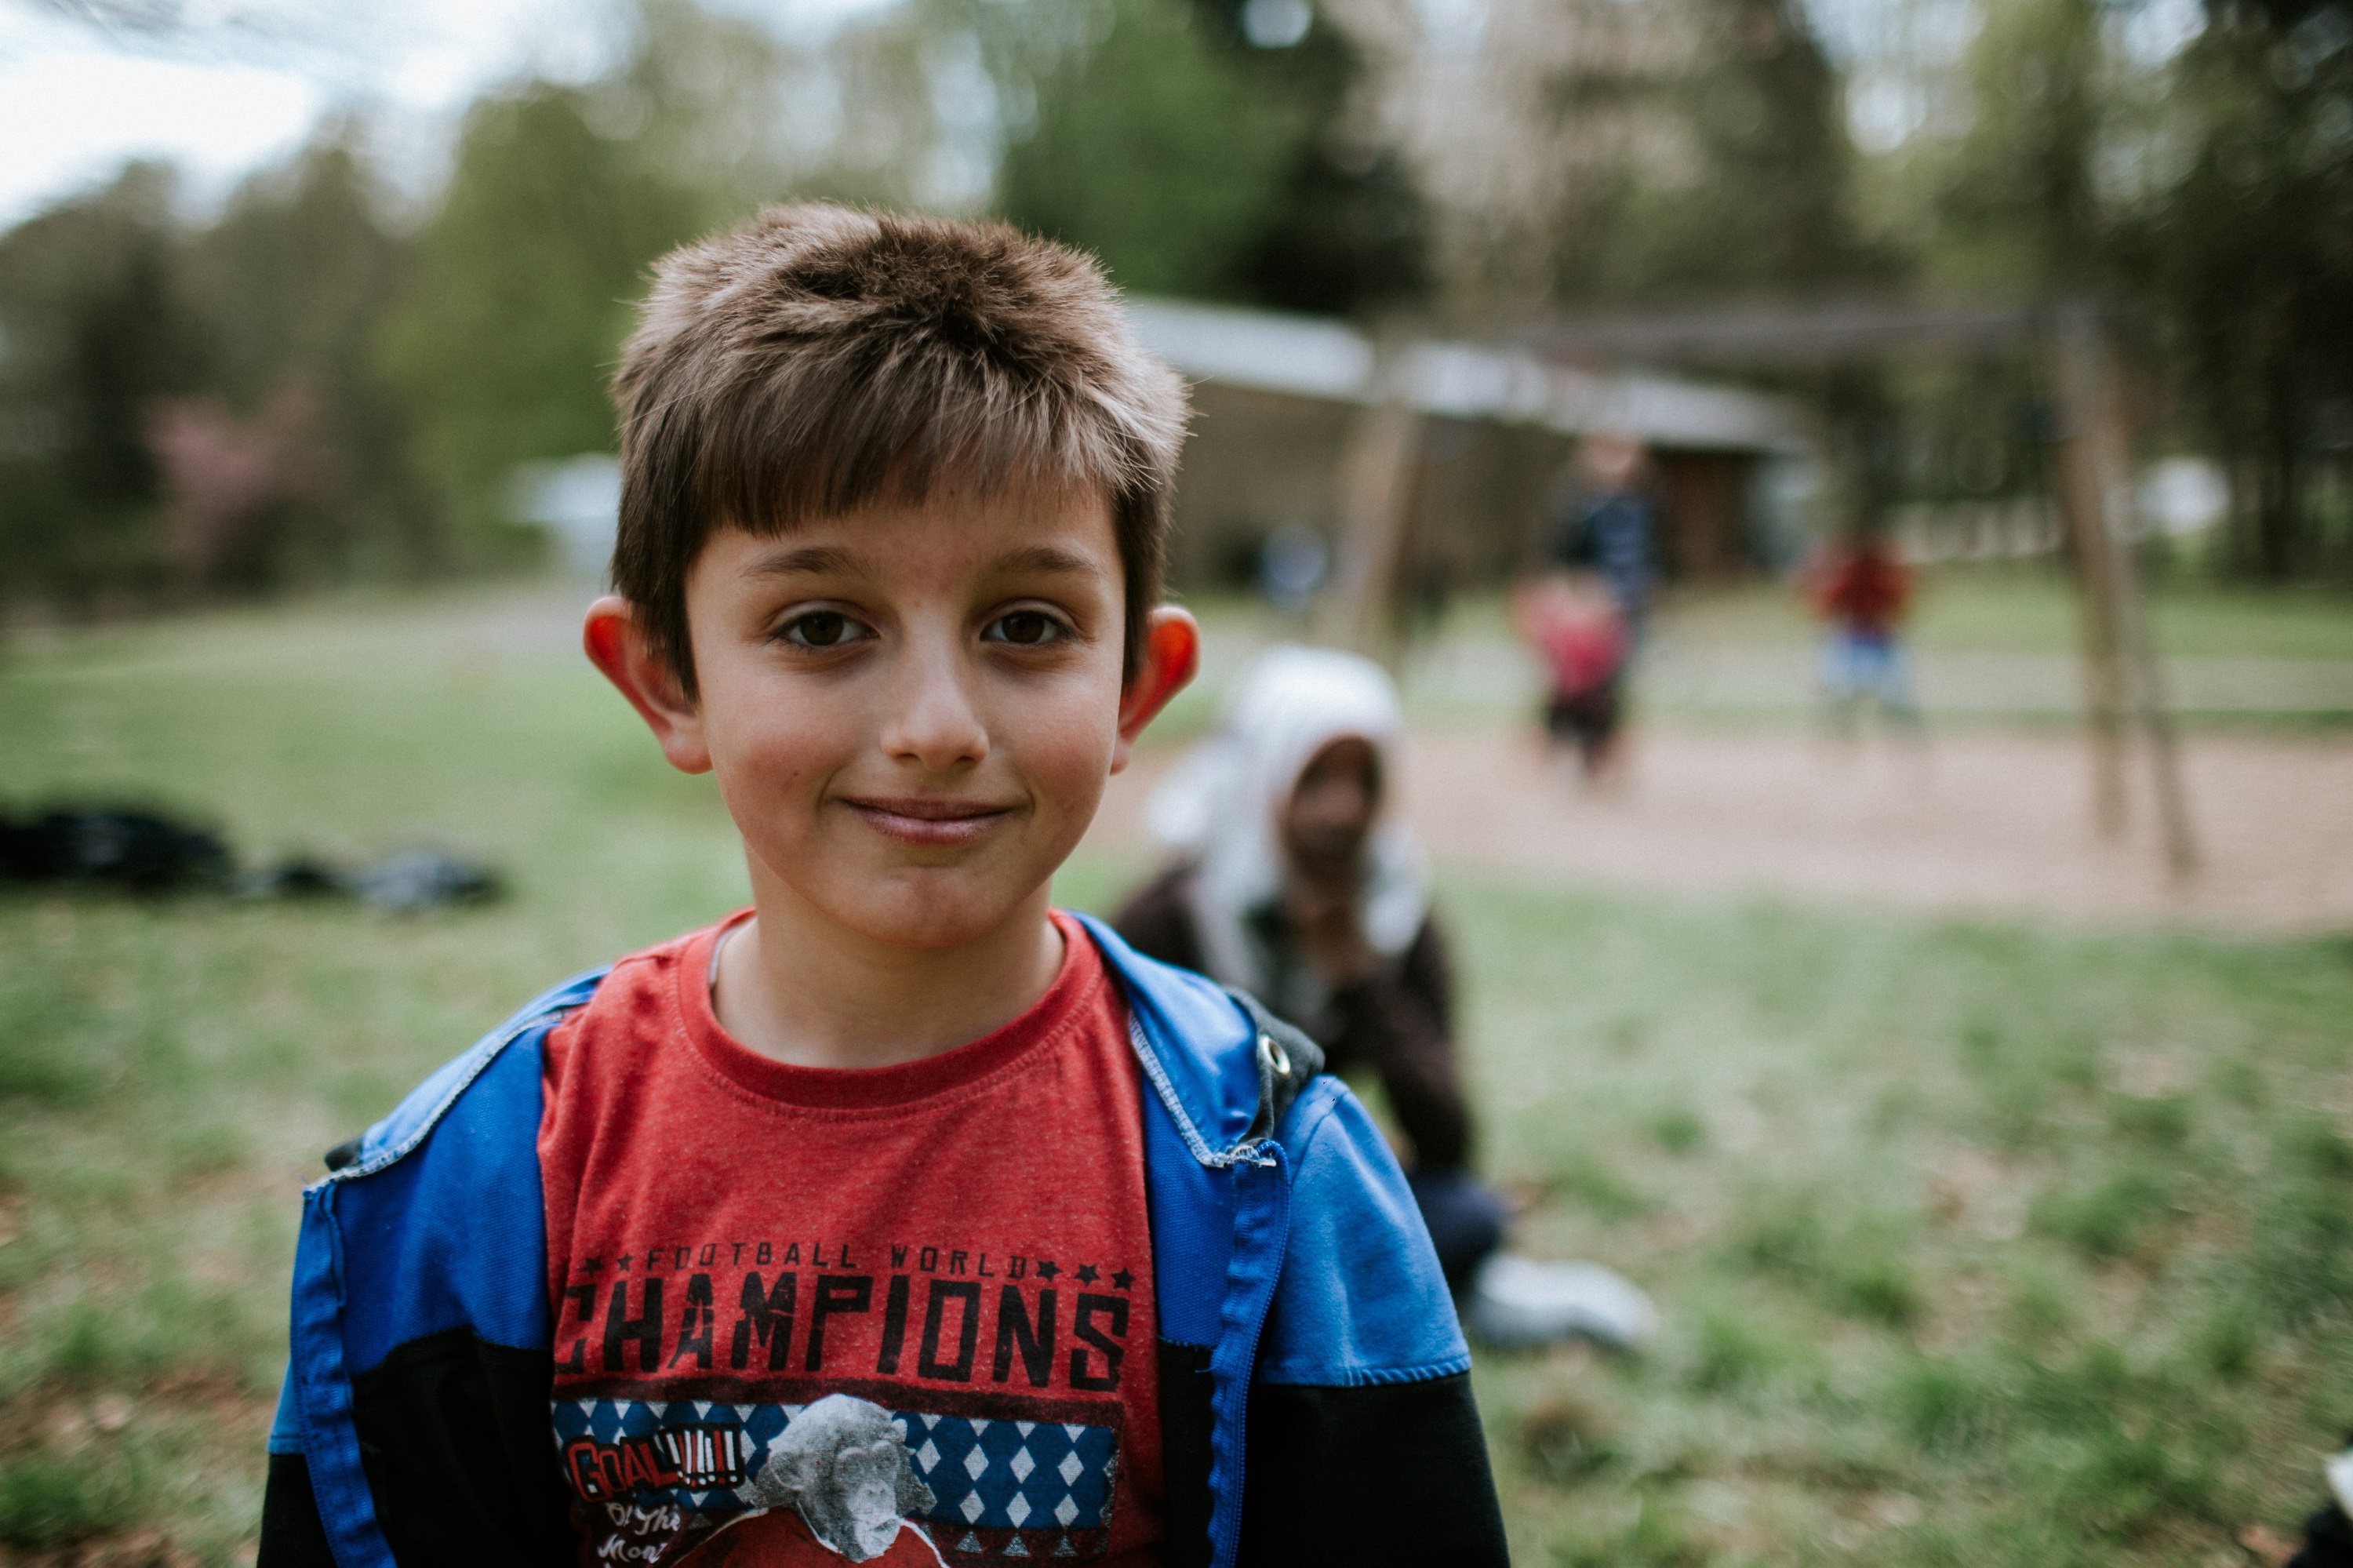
(899, 1218)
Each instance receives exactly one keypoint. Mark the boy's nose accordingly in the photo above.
(935, 718)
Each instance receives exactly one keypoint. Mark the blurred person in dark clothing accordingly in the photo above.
(1605, 525)
(1298, 881)
(2328, 1533)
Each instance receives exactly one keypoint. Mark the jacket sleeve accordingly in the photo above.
(1364, 1443)
(453, 1436)
(291, 1535)
(415, 1427)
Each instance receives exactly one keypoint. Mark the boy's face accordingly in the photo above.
(912, 710)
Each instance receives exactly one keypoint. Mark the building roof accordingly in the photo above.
(1313, 356)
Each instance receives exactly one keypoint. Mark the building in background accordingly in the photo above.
(1281, 403)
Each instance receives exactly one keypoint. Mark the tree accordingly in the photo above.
(2249, 254)
(1348, 232)
(2021, 208)
(1149, 147)
(294, 280)
(1764, 201)
(96, 330)
(512, 317)
(1575, 152)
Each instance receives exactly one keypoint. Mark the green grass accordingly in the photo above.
(1975, 1244)
(1991, 644)
(2031, 607)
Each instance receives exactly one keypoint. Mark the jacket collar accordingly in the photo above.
(1226, 1069)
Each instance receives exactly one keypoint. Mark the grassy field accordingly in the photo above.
(1991, 645)
(1982, 1244)
(2029, 608)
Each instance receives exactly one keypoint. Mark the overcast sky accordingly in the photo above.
(76, 103)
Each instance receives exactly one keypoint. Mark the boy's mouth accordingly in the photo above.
(929, 823)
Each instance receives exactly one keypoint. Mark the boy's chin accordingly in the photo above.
(929, 918)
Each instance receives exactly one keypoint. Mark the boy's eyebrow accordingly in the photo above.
(832, 560)
(825, 560)
(1046, 559)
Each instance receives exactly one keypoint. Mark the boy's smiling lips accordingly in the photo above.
(928, 821)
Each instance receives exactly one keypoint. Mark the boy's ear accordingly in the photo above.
(615, 641)
(1172, 655)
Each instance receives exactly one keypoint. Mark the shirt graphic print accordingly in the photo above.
(808, 1316)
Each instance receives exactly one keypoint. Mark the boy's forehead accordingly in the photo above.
(1036, 529)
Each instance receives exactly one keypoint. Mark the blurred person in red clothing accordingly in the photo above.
(1576, 626)
(1862, 587)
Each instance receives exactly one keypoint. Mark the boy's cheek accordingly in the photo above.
(1071, 759)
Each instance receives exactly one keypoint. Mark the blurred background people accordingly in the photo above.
(1297, 880)
(1572, 621)
(1292, 564)
(1605, 525)
(1861, 589)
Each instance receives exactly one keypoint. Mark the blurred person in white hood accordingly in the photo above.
(1297, 878)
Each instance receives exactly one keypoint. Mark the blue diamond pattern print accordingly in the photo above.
(1013, 1475)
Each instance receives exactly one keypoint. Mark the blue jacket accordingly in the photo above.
(1314, 1385)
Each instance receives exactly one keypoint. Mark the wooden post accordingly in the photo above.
(2081, 496)
(2121, 667)
(1377, 490)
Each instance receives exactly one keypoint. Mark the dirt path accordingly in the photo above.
(1978, 823)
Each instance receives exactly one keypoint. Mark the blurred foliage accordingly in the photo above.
(2208, 196)
(1158, 136)
(521, 290)
(2019, 202)
(294, 279)
(328, 381)
(1152, 149)
(2250, 252)
(314, 385)
(99, 329)
(1762, 203)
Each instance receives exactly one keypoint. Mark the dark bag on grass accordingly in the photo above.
(138, 850)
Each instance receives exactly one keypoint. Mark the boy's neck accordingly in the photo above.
(798, 988)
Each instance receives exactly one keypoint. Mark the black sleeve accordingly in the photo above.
(291, 1533)
(460, 1451)
(1428, 972)
(1363, 1478)
(456, 1441)
(1157, 922)
(1399, 1021)
(1187, 1418)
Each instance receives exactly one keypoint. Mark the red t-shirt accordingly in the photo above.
(1864, 590)
(807, 1315)
(1585, 652)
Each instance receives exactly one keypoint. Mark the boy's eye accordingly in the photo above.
(822, 629)
(1027, 628)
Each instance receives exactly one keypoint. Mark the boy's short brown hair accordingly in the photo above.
(821, 358)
